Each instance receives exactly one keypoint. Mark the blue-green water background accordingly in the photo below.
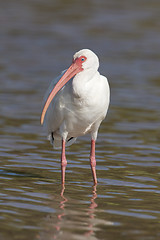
(37, 41)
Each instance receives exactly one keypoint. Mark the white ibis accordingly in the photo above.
(77, 103)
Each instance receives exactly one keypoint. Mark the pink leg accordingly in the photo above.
(93, 161)
(63, 162)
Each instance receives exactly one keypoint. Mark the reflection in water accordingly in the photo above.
(91, 212)
(56, 225)
(61, 215)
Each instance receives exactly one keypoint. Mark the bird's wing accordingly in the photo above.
(54, 116)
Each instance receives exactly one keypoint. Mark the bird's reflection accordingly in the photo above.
(91, 212)
(62, 206)
(69, 221)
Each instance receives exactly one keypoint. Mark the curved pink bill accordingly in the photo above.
(71, 72)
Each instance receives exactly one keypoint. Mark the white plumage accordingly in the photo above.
(80, 104)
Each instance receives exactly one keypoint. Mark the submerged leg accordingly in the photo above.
(63, 162)
(93, 161)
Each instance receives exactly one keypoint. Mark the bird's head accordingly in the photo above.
(86, 59)
(82, 60)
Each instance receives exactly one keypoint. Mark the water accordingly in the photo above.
(37, 41)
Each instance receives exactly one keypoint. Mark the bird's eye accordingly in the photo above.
(82, 59)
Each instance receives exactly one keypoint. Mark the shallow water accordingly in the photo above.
(38, 39)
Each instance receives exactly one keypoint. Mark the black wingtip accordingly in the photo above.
(70, 139)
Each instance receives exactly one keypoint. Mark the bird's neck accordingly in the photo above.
(84, 82)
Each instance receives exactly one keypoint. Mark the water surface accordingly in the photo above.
(38, 39)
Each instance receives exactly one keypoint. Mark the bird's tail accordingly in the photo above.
(57, 141)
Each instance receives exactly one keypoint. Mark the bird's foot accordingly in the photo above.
(93, 168)
(63, 169)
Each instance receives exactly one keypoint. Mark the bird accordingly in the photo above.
(75, 104)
